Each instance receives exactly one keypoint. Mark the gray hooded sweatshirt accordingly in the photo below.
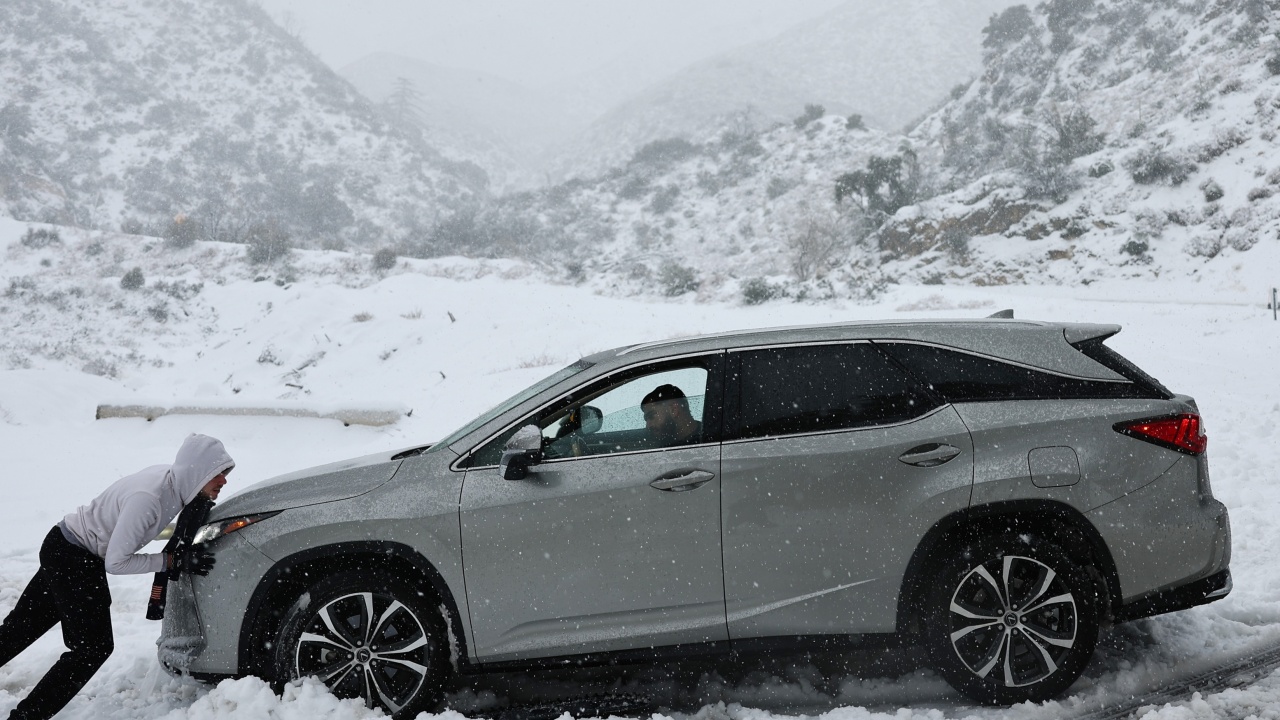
(134, 509)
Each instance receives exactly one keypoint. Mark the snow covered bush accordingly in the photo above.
(133, 280)
(661, 153)
(811, 113)
(1137, 249)
(1045, 172)
(664, 199)
(1007, 27)
(1205, 246)
(384, 259)
(777, 188)
(1213, 192)
(181, 233)
(677, 279)
(1153, 164)
(1062, 16)
(1075, 132)
(758, 290)
(40, 238)
(884, 186)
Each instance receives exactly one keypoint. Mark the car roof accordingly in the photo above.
(1044, 345)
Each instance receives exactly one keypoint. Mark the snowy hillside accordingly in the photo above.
(129, 113)
(890, 60)
(1108, 139)
(451, 337)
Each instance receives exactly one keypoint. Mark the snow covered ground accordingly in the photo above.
(449, 348)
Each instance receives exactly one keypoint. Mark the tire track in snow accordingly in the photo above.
(1239, 673)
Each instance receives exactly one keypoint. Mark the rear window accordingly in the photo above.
(1119, 364)
(964, 377)
(786, 391)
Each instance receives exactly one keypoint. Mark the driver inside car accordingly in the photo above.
(667, 418)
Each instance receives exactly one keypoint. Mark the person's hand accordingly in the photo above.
(196, 560)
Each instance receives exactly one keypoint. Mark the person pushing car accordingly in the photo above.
(99, 538)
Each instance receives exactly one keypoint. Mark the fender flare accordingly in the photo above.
(1029, 515)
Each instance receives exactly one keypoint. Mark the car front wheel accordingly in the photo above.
(1012, 619)
(367, 635)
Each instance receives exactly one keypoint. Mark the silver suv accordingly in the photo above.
(991, 490)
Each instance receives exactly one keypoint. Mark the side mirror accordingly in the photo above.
(591, 419)
(521, 452)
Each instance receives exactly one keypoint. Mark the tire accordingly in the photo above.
(399, 661)
(981, 638)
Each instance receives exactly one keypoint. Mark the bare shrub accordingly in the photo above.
(818, 234)
(268, 242)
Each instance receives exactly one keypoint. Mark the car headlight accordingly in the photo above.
(221, 528)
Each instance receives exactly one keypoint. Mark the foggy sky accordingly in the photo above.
(543, 43)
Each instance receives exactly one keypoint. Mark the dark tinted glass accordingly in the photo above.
(961, 377)
(1117, 363)
(785, 391)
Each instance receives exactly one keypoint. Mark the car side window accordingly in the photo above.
(612, 415)
(820, 388)
(652, 411)
(964, 377)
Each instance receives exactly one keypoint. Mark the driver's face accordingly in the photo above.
(658, 417)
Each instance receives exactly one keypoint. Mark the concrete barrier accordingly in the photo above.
(376, 415)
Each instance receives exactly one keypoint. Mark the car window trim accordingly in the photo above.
(838, 431)
(454, 466)
(733, 395)
(673, 448)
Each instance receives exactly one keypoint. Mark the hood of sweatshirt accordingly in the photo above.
(199, 459)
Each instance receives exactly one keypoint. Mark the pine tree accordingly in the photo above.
(403, 105)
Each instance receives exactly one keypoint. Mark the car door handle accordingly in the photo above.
(683, 481)
(930, 455)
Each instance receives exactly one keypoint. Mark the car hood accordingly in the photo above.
(326, 483)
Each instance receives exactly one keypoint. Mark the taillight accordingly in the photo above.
(1182, 432)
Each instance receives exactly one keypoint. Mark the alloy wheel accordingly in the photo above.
(366, 645)
(1013, 616)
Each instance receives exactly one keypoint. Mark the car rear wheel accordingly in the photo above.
(367, 635)
(1013, 618)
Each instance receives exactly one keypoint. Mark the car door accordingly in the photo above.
(613, 541)
(835, 465)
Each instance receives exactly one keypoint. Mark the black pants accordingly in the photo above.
(69, 588)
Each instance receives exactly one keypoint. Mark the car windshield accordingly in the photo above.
(515, 400)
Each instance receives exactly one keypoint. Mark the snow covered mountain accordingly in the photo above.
(131, 113)
(1104, 139)
(889, 60)
(499, 125)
